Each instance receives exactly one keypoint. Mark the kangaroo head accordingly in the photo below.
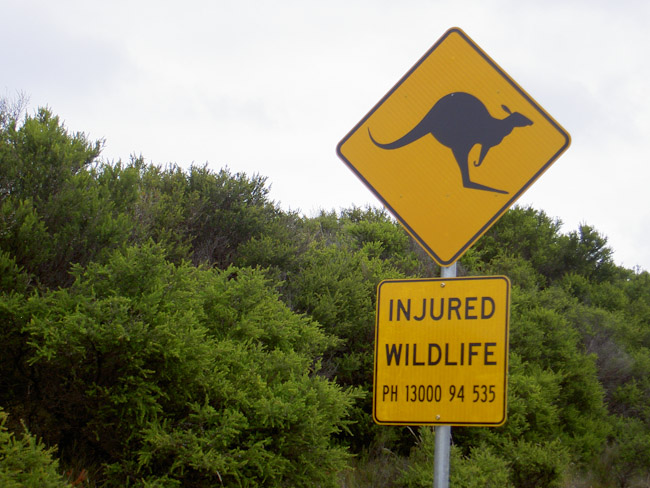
(515, 118)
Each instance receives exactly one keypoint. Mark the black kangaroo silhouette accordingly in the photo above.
(459, 121)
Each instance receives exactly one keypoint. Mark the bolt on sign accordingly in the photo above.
(441, 351)
(452, 146)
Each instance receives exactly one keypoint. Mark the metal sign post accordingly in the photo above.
(443, 432)
(451, 146)
(441, 355)
(441, 457)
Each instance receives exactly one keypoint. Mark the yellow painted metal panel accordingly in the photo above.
(441, 351)
(452, 146)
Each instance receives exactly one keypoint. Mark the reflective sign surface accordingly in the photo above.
(452, 146)
(441, 351)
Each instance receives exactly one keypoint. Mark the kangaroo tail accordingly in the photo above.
(413, 135)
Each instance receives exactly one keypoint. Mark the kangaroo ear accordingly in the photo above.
(506, 109)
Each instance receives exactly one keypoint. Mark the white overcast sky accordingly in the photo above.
(271, 87)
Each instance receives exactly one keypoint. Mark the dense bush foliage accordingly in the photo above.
(25, 461)
(170, 327)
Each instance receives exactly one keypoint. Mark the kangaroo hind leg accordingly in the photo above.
(462, 159)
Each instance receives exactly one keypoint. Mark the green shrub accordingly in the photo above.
(169, 375)
(25, 461)
(482, 468)
(538, 465)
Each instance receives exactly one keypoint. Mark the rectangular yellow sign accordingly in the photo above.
(441, 351)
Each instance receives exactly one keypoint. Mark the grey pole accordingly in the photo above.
(443, 432)
(441, 457)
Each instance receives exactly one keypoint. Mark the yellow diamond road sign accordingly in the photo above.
(452, 146)
(441, 351)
